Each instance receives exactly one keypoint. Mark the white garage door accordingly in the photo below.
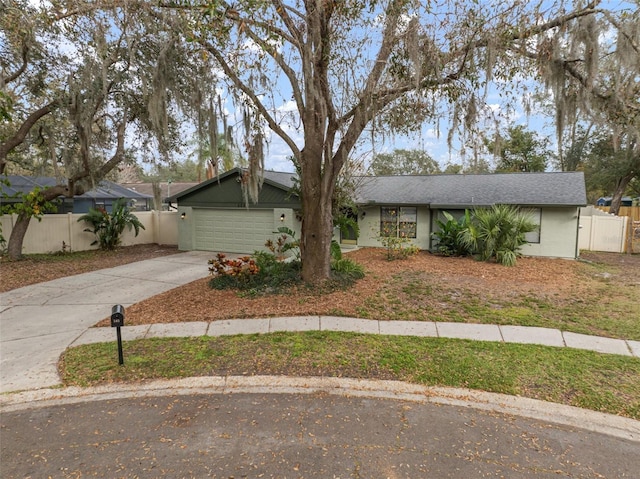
(235, 231)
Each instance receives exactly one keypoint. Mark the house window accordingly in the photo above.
(398, 221)
(535, 214)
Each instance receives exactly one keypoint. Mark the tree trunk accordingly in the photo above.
(317, 219)
(616, 199)
(14, 248)
(317, 231)
(75, 187)
(157, 195)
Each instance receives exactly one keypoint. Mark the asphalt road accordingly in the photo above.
(298, 436)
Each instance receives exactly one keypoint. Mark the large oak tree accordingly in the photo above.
(591, 69)
(345, 66)
(89, 88)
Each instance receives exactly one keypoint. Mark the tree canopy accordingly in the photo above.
(592, 70)
(404, 162)
(321, 71)
(520, 151)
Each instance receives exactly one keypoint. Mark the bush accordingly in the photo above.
(397, 247)
(108, 228)
(347, 267)
(450, 235)
(336, 252)
(232, 273)
(285, 242)
(498, 233)
(262, 273)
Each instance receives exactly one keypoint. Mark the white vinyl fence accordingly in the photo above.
(601, 231)
(55, 232)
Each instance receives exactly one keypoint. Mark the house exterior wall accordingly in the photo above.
(186, 235)
(370, 226)
(558, 234)
(558, 231)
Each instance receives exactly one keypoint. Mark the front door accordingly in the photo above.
(349, 236)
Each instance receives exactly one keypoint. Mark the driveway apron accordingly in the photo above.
(37, 323)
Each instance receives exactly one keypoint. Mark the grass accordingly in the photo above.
(605, 309)
(586, 379)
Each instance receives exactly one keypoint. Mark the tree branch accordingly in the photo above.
(15, 75)
(21, 134)
(238, 83)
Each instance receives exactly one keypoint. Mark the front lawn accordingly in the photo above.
(600, 297)
(607, 383)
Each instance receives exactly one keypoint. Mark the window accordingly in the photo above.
(535, 216)
(398, 221)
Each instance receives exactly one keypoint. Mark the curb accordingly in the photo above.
(617, 426)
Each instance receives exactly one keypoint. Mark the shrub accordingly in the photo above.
(398, 247)
(450, 235)
(498, 232)
(108, 228)
(344, 273)
(347, 267)
(336, 252)
(262, 273)
(285, 242)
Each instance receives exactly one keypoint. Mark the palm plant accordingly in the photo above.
(450, 234)
(108, 228)
(498, 232)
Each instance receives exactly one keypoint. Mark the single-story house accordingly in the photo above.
(213, 215)
(103, 195)
(606, 201)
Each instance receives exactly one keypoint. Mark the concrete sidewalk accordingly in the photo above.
(37, 323)
(476, 332)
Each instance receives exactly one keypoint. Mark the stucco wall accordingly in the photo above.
(48, 235)
(558, 231)
(370, 227)
(185, 228)
(558, 234)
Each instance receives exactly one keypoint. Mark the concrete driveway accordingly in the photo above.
(38, 322)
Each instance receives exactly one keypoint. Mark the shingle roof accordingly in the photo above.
(104, 190)
(277, 178)
(282, 178)
(175, 188)
(446, 191)
(455, 191)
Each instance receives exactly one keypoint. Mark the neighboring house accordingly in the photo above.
(103, 195)
(214, 216)
(167, 189)
(606, 201)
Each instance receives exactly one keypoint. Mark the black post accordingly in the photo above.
(117, 320)
(120, 355)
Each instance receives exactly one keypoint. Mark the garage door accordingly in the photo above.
(235, 231)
